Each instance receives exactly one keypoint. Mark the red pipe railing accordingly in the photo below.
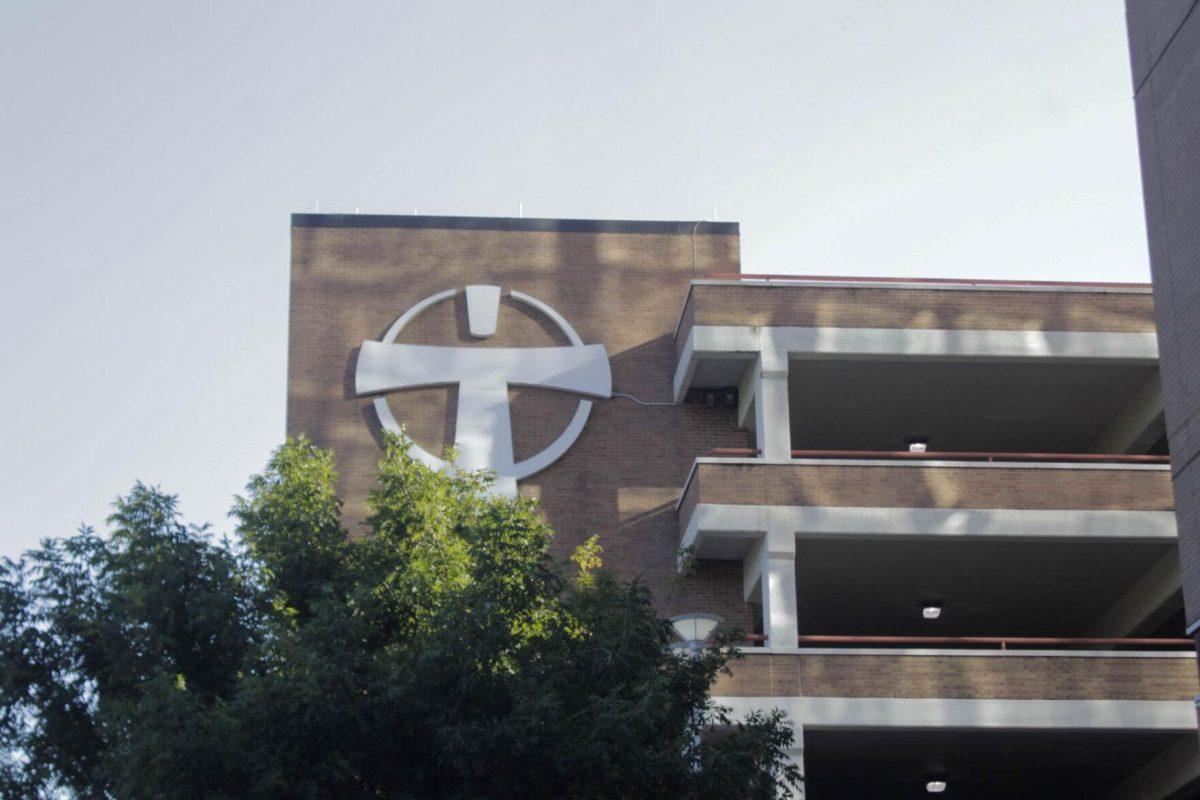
(1002, 642)
(949, 455)
(734, 276)
(967, 455)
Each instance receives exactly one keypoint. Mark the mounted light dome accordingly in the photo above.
(695, 629)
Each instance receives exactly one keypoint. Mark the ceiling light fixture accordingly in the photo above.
(935, 787)
(694, 629)
(931, 611)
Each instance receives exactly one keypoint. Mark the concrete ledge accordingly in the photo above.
(744, 341)
(740, 498)
(888, 712)
(740, 521)
(924, 284)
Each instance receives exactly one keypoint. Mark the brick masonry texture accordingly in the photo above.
(907, 486)
(1164, 40)
(841, 307)
(999, 677)
(623, 475)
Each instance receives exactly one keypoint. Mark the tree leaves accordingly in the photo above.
(444, 655)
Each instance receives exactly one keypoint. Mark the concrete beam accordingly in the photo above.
(1168, 772)
(1145, 604)
(748, 397)
(1138, 425)
(931, 343)
(742, 521)
(770, 570)
(721, 341)
(889, 712)
(772, 417)
(763, 405)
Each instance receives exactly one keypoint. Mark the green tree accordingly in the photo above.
(443, 656)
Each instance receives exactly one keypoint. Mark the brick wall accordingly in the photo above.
(908, 486)
(1001, 677)
(1164, 40)
(865, 307)
(617, 285)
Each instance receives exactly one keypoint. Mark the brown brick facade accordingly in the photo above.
(1164, 43)
(969, 677)
(905, 485)
(620, 285)
(350, 281)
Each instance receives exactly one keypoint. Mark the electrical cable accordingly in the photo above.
(644, 402)
(732, 416)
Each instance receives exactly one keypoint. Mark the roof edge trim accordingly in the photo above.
(524, 224)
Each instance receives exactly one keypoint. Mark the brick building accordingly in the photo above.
(997, 616)
(1164, 43)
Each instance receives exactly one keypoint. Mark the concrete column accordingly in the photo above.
(1138, 425)
(771, 570)
(1162, 776)
(795, 755)
(764, 392)
(1144, 606)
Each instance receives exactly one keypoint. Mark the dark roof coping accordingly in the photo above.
(512, 224)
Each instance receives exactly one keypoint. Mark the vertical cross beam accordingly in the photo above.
(483, 433)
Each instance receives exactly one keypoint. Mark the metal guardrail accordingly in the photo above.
(1000, 642)
(961, 455)
(738, 276)
(951, 455)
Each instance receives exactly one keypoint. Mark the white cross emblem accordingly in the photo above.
(483, 430)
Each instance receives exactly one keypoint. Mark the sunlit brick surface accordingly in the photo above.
(622, 477)
(1000, 677)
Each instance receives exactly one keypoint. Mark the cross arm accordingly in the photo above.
(384, 367)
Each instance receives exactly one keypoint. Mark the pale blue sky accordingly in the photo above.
(151, 153)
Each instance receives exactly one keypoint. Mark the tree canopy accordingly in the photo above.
(445, 655)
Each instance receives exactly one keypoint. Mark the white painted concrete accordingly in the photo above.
(748, 388)
(763, 405)
(746, 521)
(890, 712)
(773, 420)
(770, 571)
(723, 341)
(923, 463)
(685, 367)
(786, 282)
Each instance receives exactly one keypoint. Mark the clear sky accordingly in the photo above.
(150, 154)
